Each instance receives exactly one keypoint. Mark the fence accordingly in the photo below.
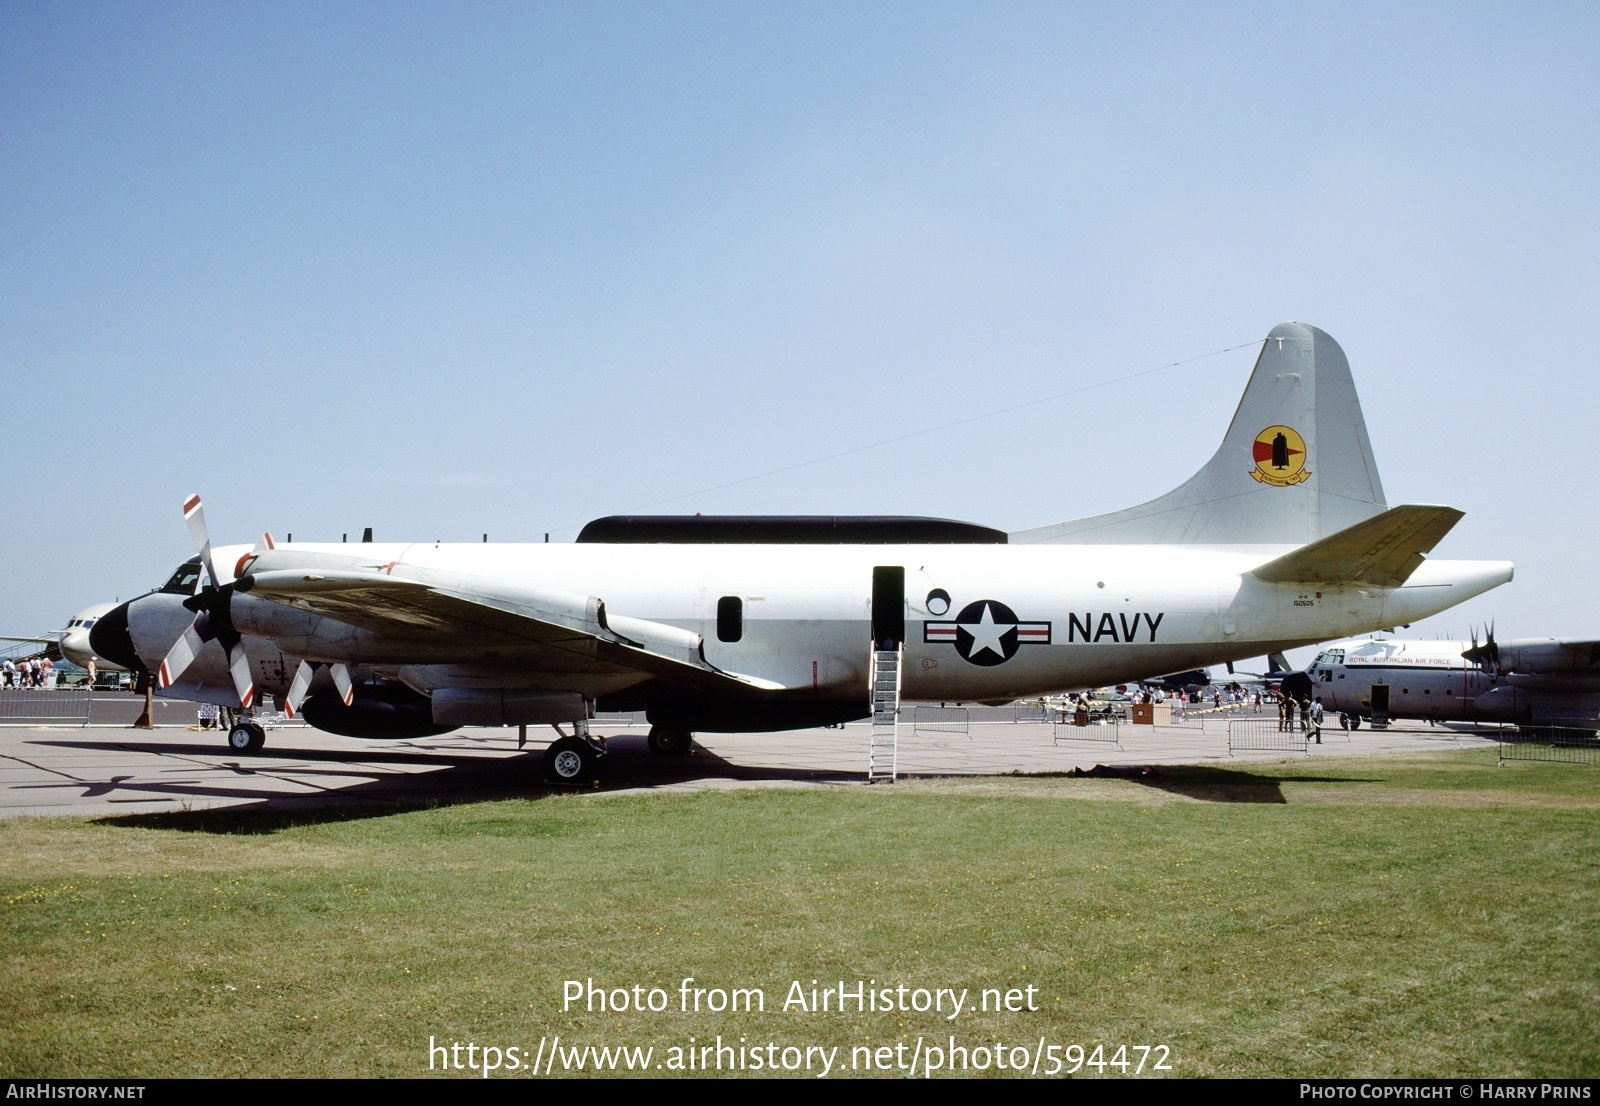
(1562, 746)
(33, 708)
(1105, 729)
(1266, 735)
(931, 720)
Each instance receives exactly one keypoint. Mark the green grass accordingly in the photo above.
(1428, 915)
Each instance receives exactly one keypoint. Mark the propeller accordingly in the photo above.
(300, 686)
(210, 603)
(1486, 655)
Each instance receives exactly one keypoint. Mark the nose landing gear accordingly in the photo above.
(245, 734)
(247, 737)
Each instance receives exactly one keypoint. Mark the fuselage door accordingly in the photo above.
(1380, 704)
(888, 606)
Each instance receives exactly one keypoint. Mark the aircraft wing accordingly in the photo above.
(1382, 551)
(51, 650)
(1540, 656)
(560, 629)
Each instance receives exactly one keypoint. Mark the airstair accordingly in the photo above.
(885, 742)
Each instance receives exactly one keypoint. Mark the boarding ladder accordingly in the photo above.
(884, 744)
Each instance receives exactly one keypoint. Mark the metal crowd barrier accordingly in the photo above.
(1104, 725)
(33, 707)
(1266, 735)
(1547, 743)
(926, 720)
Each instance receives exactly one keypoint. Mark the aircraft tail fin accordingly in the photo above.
(1295, 465)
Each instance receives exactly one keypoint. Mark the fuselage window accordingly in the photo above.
(730, 618)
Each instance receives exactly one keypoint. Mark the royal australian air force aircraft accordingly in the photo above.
(1532, 682)
(770, 623)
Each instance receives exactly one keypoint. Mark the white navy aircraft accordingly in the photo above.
(1533, 682)
(1281, 540)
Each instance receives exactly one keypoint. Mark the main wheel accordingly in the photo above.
(573, 762)
(666, 742)
(247, 737)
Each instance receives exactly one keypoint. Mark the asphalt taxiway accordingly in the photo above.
(100, 770)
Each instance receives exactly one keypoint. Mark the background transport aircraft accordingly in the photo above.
(1532, 682)
(72, 640)
(1282, 539)
(1195, 679)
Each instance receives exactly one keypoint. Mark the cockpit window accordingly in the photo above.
(1329, 657)
(183, 580)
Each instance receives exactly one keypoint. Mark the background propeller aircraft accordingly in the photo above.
(769, 623)
(1532, 682)
(72, 640)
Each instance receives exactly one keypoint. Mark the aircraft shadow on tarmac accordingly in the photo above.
(1211, 785)
(461, 776)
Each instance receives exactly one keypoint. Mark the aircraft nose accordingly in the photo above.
(1298, 685)
(110, 638)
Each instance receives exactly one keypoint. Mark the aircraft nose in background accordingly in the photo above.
(110, 638)
(1298, 685)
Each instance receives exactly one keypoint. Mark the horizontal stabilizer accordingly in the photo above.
(1382, 551)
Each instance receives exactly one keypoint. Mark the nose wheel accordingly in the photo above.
(246, 737)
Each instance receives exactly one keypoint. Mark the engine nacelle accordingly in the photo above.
(1504, 704)
(383, 711)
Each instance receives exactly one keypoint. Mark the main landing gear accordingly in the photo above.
(667, 742)
(575, 761)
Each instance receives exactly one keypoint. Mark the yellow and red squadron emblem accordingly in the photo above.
(1280, 456)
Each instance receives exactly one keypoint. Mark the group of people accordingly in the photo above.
(31, 672)
(1234, 697)
(1306, 711)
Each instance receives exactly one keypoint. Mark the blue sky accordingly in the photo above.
(447, 269)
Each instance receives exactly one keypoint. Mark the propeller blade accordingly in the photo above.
(239, 669)
(341, 680)
(298, 688)
(195, 515)
(180, 656)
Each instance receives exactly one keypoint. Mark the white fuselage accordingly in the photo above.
(1019, 620)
